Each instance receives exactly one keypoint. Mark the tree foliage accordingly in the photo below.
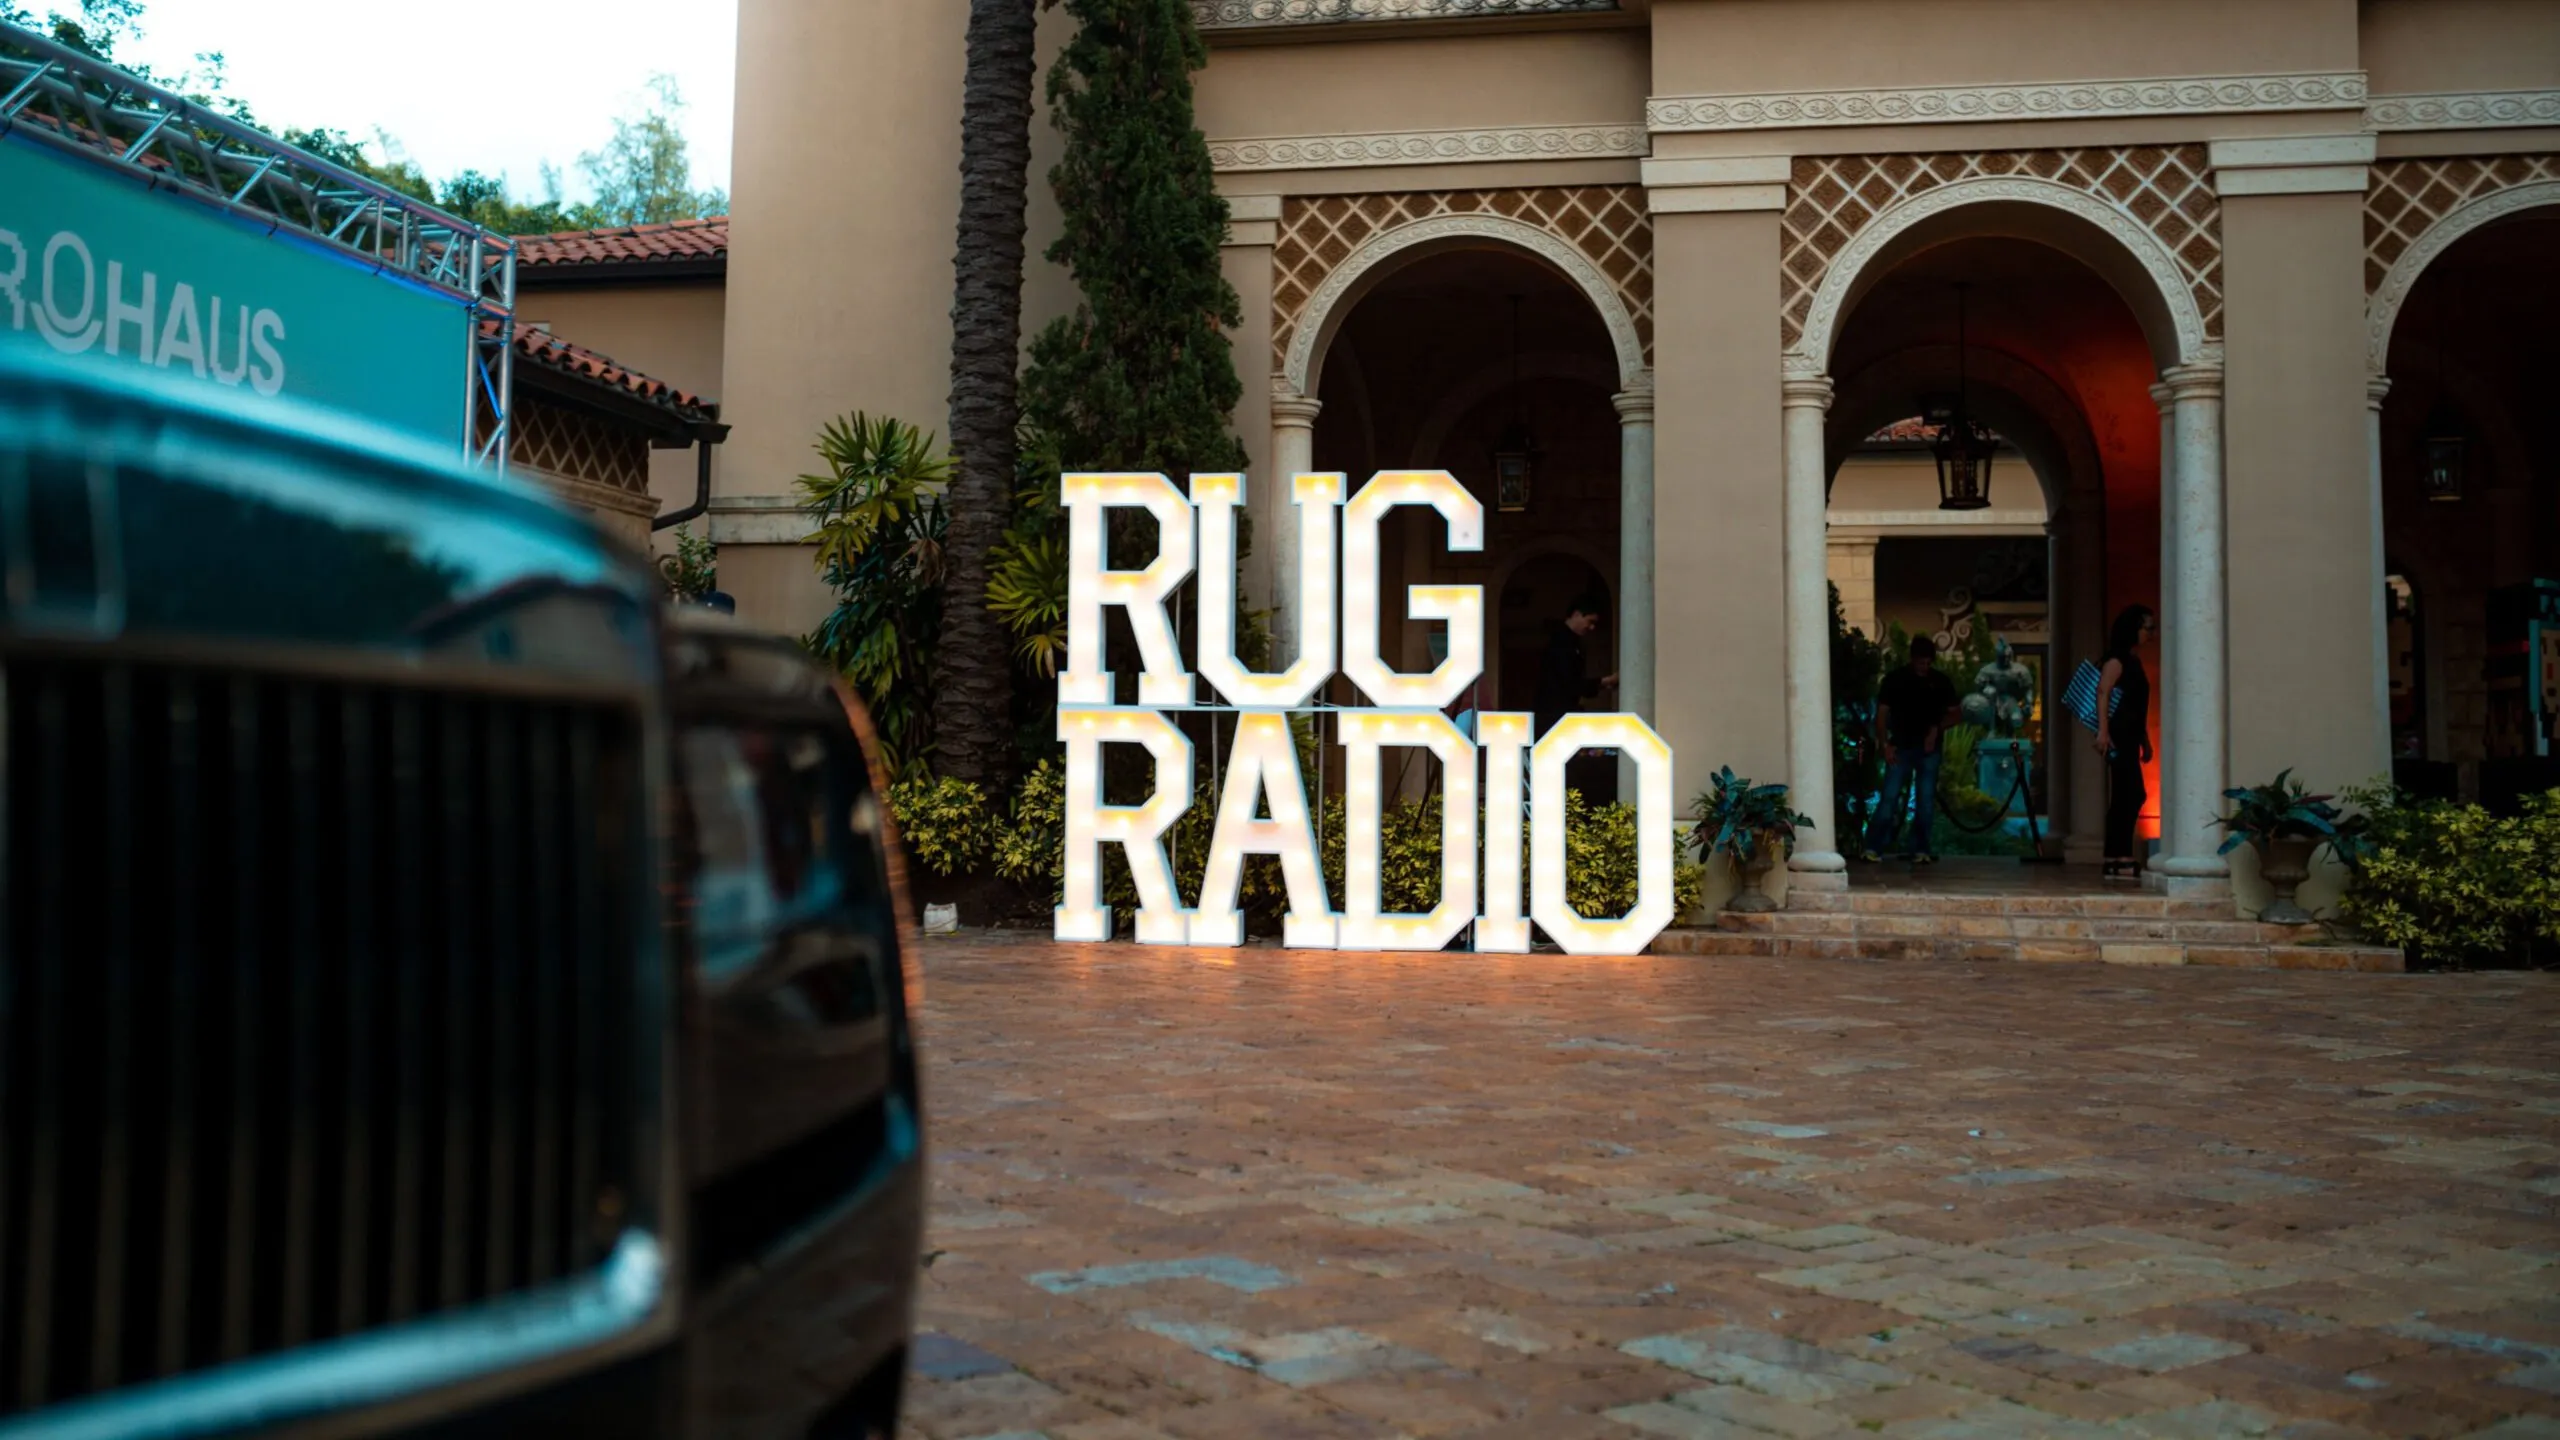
(644, 175)
(880, 527)
(1139, 376)
(974, 687)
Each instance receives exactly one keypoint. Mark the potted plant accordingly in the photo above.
(2286, 826)
(1751, 823)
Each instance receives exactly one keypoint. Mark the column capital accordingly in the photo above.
(1805, 392)
(2292, 165)
(2192, 382)
(1635, 407)
(2375, 387)
(2161, 395)
(1716, 184)
(1252, 220)
(1291, 410)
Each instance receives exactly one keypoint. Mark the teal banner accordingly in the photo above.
(94, 262)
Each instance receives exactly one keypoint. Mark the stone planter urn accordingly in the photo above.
(2285, 863)
(1753, 897)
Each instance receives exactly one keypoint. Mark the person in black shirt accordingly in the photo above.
(1562, 685)
(1913, 706)
(2124, 738)
(1561, 681)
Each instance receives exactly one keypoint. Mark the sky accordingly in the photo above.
(499, 86)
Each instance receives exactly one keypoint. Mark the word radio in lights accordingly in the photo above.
(1406, 710)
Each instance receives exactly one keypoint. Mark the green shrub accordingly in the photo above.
(1857, 769)
(1601, 858)
(693, 571)
(1033, 844)
(880, 525)
(2538, 886)
(2450, 883)
(947, 824)
(1737, 818)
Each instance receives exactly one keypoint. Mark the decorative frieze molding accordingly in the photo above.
(1245, 14)
(1430, 147)
(1949, 104)
(2471, 110)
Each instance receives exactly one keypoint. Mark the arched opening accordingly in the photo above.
(1455, 356)
(2063, 338)
(2471, 501)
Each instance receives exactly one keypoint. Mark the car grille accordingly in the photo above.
(317, 1009)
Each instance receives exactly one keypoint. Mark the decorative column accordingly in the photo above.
(2375, 387)
(2079, 631)
(2191, 561)
(2166, 607)
(1635, 552)
(2055, 762)
(1817, 863)
(1253, 227)
(1293, 451)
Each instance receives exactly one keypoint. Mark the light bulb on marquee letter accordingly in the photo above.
(1460, 605)
(1630, 933)
(1504, 734)
(1138, 829)
(1263, 762)
(1092, 584)
(1316, 498)
(1364, 734)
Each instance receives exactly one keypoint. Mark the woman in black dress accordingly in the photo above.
(2124, 736)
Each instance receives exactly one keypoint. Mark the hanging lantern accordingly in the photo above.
(1963, 452)
(2440, 452)
(2442, 443)
(1515, 459)
(2440, 464)
(1515, 452)
(1961, 446)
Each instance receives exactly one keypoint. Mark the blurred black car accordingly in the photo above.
(441, 990)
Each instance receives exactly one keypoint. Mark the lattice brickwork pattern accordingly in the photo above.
(579, 446)
(1607, 223)
(2165, 189)
(2406, 198)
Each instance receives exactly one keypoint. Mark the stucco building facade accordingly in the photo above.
(2229, 270)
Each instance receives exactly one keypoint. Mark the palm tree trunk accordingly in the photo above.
(972, 690)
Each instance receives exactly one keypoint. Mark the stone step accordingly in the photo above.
(2216, 927)
(1791, 944)
(2130, 905)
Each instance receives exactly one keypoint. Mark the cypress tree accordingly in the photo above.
(1140, 376)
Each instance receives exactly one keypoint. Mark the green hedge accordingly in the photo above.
(2451, 884)
(951, 829)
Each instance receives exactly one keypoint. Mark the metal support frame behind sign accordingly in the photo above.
(68, 100)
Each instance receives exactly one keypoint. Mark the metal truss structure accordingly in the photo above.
(60, 97)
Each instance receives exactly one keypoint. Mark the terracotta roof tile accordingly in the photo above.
(704, 239)
(540, 347)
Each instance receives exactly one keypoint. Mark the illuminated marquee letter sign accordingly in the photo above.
(1514, 771)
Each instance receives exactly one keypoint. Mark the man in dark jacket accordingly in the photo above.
(1914, 706)
(1561, 682)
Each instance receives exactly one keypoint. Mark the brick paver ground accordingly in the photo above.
(1261, 1193)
